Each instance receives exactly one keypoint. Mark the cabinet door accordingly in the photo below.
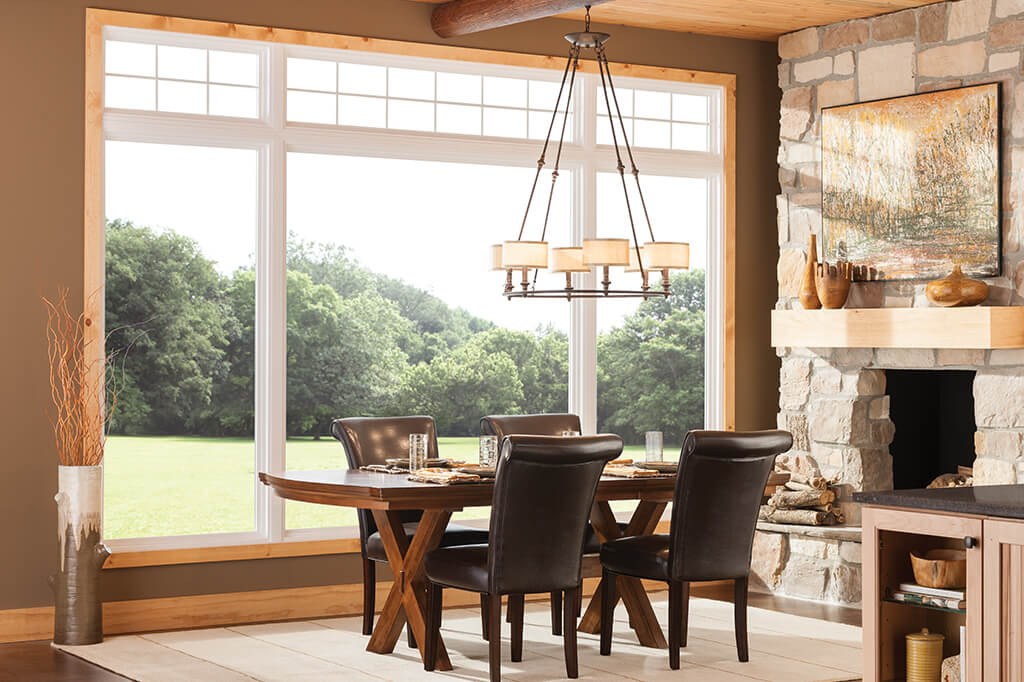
(1004, 600)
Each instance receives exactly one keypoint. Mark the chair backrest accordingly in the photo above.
(721, 480)
(502, 425)
(542, 498)
(371, 440)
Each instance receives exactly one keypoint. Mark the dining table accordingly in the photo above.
(386, 495)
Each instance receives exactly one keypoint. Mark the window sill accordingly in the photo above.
(203, 555)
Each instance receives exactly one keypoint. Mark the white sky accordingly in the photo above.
(428, 223)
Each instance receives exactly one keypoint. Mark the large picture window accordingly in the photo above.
(297, 234)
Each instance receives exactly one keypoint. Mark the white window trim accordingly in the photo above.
(274, 138)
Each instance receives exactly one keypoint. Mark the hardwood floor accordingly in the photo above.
(37, 661)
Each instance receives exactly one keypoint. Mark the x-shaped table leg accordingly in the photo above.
(408, 597)
(631, 590)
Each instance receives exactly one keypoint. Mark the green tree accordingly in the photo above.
(542, 363)
(651, 368)
(166, 316)
(459, 386)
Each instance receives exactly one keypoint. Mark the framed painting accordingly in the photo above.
(911, 185)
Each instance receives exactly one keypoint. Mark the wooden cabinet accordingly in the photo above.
(889, 537)
(1003, 543)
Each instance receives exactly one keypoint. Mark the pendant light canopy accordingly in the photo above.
(604, 253)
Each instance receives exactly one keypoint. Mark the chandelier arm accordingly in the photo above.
(544, 150)
(602, 56)
(602, 66)
(574, 58)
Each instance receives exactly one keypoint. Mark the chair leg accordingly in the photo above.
(608, 596)
(556, 613)
(369, 594)
(569, 635)
(685, 619)
(434, 599)
(494, 643)
(675, 622)
(410, 638)
(740, 606)
(579, 601)
(515, 607)
(485, 616)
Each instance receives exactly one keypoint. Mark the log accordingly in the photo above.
(801, 517)
(796, 499)
(459, 17)
(812, 481)
(777, 478)
(793, 485)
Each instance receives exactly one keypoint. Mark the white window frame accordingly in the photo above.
(273, 138)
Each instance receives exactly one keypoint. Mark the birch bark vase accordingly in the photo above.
(78, 611)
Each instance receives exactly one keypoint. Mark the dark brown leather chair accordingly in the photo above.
(542, 497)
(371, 440)
(707, 540)
(544, 425)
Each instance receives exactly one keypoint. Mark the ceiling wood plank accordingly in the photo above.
(750, 19)
(460, 17)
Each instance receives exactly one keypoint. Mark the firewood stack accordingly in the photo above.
(804, 498)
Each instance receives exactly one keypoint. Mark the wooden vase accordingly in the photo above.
(956, 290)
(832, 283)
(808, 291)
(78, 611)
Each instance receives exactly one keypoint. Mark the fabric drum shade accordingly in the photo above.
(606, 251)
(496, 251)
(667, 255)
(634, 265)
(568, 259)
(521, 254)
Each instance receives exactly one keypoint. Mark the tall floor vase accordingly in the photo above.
(78, 611)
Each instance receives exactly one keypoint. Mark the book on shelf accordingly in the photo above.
(933, 591)
(928, 600)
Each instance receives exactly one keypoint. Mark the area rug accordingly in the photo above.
(783, 647)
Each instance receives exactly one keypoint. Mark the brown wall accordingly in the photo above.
(41, 178)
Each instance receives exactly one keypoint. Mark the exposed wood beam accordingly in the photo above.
(459, 17)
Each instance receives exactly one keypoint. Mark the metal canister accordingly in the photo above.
(924, 656)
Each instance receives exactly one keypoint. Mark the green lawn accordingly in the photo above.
(179, 485)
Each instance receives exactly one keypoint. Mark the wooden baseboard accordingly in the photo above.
(232, 608)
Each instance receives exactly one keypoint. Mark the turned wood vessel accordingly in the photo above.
(832, 283)
(956, 290)
(808, 292)
(942, 568)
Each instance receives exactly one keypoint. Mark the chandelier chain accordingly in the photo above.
(603, 57)
(547, 138)
(602, 67)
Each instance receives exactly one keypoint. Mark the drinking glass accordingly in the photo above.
(488, 450)
(653, 451)
(417, 451)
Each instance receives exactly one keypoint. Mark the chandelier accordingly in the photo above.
(528, 257)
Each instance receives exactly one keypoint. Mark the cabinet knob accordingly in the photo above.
(970, 543)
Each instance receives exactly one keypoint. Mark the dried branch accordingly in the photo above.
(78, 384)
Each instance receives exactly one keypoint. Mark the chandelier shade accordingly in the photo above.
(496, 257)
(606, 252)
(568, 259)
(667, 255)
(634, 264)
(524, 254)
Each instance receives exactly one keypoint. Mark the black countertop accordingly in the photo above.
(1005, 501)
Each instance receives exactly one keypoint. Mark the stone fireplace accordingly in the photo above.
(835, 399)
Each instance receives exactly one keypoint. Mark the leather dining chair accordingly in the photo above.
(543, 492)
(372, 440)
(721, 479)
(552, 424)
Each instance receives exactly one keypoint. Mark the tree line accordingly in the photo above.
(360, 343)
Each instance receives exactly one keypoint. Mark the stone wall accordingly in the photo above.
(833, 400)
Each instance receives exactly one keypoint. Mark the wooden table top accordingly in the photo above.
(372, 490)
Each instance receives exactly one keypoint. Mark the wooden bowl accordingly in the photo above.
(942, 568)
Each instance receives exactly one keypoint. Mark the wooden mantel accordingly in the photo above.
(977, 327)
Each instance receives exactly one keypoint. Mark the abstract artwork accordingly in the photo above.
(910, 186)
